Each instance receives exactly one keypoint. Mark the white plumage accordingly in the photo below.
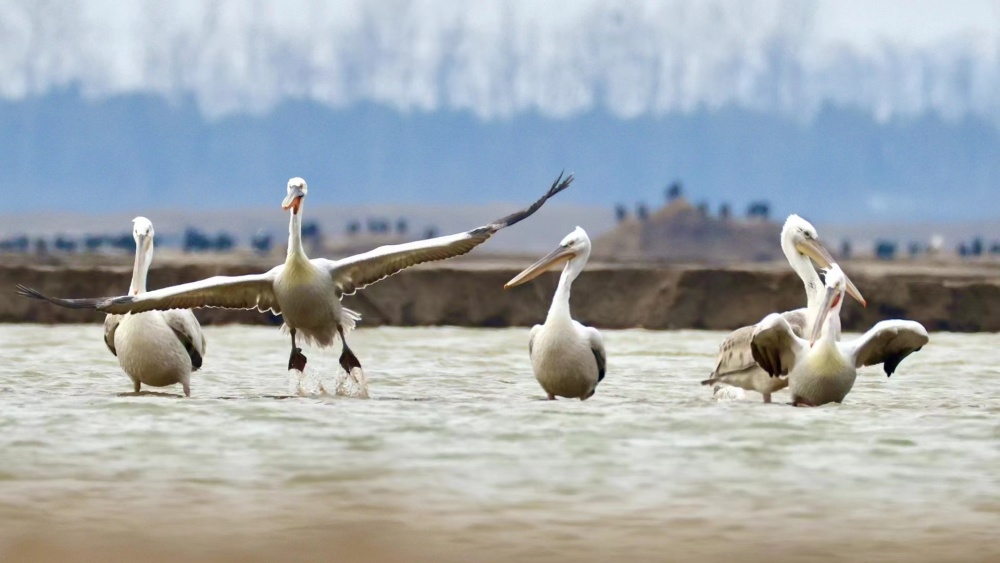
(822, 370)
(735, 364)
(306, 293)
(568, 359)
(158, 348)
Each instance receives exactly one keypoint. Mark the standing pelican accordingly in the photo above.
(822, 370)
(735, 364)
(568, 358)
(306, 293)
(158, 348)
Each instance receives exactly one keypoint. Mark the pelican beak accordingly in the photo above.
(853, 291)
(819, 254)
(143, 257)
(293, 200)
(830, 300)
(557, 256)
(814, 249)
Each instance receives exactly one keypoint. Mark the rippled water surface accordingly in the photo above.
(456, 455)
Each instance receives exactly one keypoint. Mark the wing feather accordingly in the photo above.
(774, 345)
(254, 291)
(597, 347)
(111, 323)
(888, 343)
(735, 354)
(188, 331)
(365, 269)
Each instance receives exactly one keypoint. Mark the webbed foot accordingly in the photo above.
(297, 360)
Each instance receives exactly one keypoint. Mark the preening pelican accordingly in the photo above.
(568, 358)
(306, 293)
(158, 348)
(822, 370)
(735, 364)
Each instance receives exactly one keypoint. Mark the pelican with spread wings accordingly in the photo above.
(822, 369)
(735, 364)
(306, 293)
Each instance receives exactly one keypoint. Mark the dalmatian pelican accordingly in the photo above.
(306, 293)
(822, 369)
(568, 358)
(158, 348)
(734, 364)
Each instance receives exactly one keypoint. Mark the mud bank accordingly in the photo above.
(605, 296)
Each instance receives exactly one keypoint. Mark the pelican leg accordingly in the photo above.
(187, 388)
(767, 397)
(552, 397)
(348, 360)
(297, 360)
(136, 385)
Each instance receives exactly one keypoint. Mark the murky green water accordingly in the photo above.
(456, 449)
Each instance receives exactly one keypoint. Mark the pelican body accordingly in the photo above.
(306, 292)
(822, 369)
(157, 348)
(735, 364)
(568, 358)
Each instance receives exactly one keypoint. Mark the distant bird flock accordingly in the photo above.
(158, 341)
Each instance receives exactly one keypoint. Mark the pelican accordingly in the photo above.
(735, 364)
(568, 358)
(306, 293)
(822, 370)
(158, 348)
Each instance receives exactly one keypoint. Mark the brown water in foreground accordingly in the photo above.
(455, 458)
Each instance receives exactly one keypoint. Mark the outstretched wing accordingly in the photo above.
(735, 354)
(774, 345)
(231, 292)
(888, 343)
(358, 271)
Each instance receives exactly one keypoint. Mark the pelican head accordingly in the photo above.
(297, 190)
(835, 286)
(142, 232)
(799, 236)
(142, 229)
(574, 245)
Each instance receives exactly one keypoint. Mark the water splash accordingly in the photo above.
(353, 384)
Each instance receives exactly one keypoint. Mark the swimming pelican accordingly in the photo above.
(734, 364)
(568, 358)
(158, 348)
(306, 293)
(822, 370)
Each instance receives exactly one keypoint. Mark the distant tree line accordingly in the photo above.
(195, 240)
(977, 247)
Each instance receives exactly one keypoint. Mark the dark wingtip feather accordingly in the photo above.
(557, 186)
(68, 303)
(26, 291)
